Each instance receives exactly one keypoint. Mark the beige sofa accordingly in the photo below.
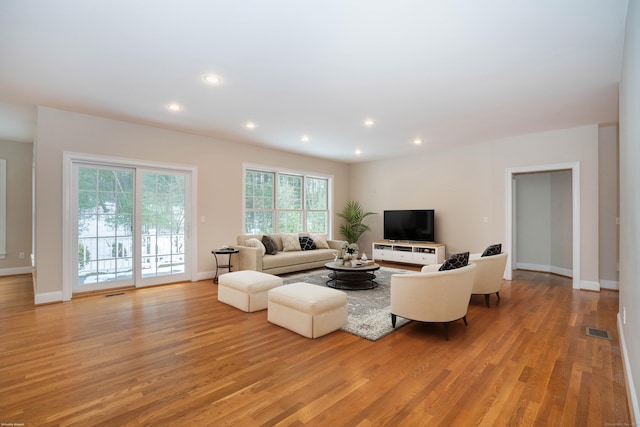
(251, 258)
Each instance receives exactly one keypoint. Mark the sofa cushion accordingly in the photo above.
(255, 243)
(306, 243)
(270, 245)
(455, 261)
(320, 240)
(493, 250)
(290, 242)
(286, 259)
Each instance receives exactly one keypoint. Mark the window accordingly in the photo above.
(285, 202)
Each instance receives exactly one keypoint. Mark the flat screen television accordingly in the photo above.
(411, 225)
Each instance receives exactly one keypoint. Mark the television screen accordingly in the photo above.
(410, 225)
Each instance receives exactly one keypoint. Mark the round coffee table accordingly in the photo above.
(351, 278)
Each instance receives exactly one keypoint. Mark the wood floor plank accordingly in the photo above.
(174, 355)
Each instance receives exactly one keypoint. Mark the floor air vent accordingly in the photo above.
(114, 295)
(598, 333)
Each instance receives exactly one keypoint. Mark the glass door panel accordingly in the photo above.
(162, 226)
(104, 212)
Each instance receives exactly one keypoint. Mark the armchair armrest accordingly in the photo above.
(249, 258)
(430, 268)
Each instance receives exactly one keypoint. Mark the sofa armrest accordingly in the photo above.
(249, 258)
(336, 244)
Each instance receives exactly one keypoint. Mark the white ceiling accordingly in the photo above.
(451, 72)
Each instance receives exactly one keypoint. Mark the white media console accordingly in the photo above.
(408, 252)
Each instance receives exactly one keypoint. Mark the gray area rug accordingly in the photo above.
(369, 310)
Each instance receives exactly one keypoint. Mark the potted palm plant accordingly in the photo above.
(354, 225)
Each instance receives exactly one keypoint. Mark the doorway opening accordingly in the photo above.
(511, 235)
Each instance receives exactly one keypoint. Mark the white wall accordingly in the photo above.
(19, 157)
(544, 223)
(220, 179)
(629, 316)
(561, 223)
(533, 221)
(609, 205)
(464, 185)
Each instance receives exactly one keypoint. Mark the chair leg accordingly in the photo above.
(498, 294)
(446, 331)
(465, 321)
(486, 299)
(393, 320)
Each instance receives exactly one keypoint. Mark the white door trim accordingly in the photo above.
(575, 195)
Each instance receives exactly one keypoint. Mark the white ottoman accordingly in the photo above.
(246, 290)
(309, 310)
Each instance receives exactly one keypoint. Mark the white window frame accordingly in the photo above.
(277, 171)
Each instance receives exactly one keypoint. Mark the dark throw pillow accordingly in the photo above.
(455, 261)
(307, 243)
(270, 245)
(493, 250)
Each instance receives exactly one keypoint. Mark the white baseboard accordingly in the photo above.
(48, 297)
(204, 275)
(545, 268)
(15, 270)
(589, 285)
(610, 284)
(628, 375)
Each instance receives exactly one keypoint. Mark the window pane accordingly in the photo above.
(316, 193)
(317, 222)
(259, 222)
(289, 192)
(290, 221)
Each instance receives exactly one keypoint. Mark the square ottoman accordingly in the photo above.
(246, 290)
(309, 310)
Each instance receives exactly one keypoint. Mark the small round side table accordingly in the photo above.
(223, 251)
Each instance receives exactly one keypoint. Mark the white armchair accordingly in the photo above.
(432, 296)
(488, 275)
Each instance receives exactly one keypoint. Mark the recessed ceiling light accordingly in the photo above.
(305, 138)
(174, 107)
(212, 79)
(417, 141)
(250, 125)
(358, 152)
(368, 122)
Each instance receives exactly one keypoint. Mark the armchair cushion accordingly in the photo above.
(493, 250)
(455, 261)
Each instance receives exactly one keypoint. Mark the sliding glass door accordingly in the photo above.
(163, 209)
(129, 226)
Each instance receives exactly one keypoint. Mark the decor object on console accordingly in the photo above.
(432, 296)
(277, 261)
(489, 274)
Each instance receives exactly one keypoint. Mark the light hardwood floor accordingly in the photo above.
(174, 355)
